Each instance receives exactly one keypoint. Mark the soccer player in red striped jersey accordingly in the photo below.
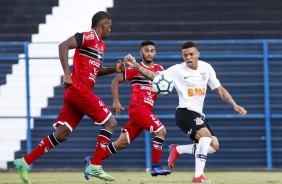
(140, 109)
(79, 100)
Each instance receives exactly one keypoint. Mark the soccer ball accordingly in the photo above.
(162, 84)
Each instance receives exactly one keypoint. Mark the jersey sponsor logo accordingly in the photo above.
(186, 77)
(199, 121)
(92, 76)
(89, 37)
(196, 92)
(149, 88)
(149, 99)
(95, 63)
(150, 95)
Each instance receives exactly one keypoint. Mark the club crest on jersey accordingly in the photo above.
(199, 121)
(203, 76)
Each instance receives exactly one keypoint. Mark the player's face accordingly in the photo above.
(190, 57)
(148, 53)
(106, 26)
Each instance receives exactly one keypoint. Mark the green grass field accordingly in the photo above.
(177, 177)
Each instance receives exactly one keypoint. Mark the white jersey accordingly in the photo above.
(191, 85)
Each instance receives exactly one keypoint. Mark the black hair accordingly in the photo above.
(147, 42)
(187, 45)
(98, 17)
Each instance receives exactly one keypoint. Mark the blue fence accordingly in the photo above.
(265, 56)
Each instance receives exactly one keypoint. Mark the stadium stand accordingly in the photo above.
(179, 19)
(19, 20)
(242, 140)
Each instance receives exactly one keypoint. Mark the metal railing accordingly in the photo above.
(265, 56)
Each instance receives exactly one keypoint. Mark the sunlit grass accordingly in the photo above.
(177, 177)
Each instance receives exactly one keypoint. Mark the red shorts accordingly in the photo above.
(80, 102)
(140, 118)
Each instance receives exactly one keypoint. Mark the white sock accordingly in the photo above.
(201, 155)
(190, 149)
(211, 150)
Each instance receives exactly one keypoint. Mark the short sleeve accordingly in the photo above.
(213, 82)
(79, 39)
(88, 38)
(130, 72)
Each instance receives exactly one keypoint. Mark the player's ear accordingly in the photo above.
(140, 52)
(199, 54)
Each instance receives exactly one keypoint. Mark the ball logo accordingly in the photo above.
(162, 84)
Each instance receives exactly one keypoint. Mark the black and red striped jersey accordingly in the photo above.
(87, 59)
(142, 90)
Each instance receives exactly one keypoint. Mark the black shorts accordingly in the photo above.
(190, 122)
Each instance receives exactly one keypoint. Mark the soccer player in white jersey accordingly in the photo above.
(191, 78)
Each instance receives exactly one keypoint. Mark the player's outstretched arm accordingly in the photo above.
(64, 48)
(120, 67)
(225, 96)
(130, 60)
(117, 107)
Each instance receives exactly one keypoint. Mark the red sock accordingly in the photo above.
(43, 147)
(102, 150)
(157, 149)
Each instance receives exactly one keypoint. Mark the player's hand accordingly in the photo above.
(130, 60)
(241, 110)
(117, 107)
(67, 82)
(120, 66)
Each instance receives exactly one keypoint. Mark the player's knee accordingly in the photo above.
(113, 124)
(110, 124)
(62, 133)
(120, 145)
(215, 143)
(161, 133)
(62, 137)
